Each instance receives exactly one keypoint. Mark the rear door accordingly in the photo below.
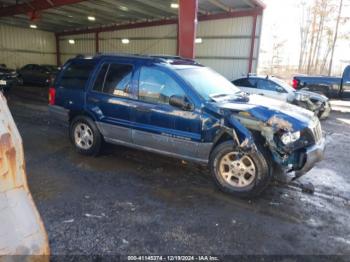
(110, 99)
(160, 126)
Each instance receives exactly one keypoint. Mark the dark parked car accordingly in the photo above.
(8, 78)
(37, 74)
(276, 88)
(338, 87)
(179, 108)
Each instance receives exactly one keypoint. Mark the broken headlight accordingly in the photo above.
(301, 97)
(288, 138)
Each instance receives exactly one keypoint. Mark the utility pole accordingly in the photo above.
(335, 38)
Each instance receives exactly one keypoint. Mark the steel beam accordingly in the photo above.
(58, 52)
(36, 5)
(97, 42)
(187, 26)
(252, 44)
(217, 3)
(237, 13)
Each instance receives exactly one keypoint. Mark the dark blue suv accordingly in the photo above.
(179, 108)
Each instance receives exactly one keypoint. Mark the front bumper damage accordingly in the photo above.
(326, 111)
(289, 162)
(321, 107)
(313, 155)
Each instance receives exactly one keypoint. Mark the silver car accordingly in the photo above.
(276, 88)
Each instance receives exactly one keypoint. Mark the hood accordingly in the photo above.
(269, 110)
(313, 95)
(7, 71)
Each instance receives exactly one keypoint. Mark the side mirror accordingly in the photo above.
(280, 89)
(180, 102)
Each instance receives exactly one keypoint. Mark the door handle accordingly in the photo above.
(93, 100)
(261, 94)
(143, 109)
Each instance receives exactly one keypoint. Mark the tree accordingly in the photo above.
(319, 31)
(335, 37)
(277, 50)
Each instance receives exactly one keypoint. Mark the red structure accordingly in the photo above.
(187, 25)
(252, 44)
(35, 5)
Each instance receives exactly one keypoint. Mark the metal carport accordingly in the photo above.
(223, 34)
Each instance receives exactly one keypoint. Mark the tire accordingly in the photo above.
(20, 81)
(254, 185)
(90, 137)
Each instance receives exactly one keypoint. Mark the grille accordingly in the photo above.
(317, 132)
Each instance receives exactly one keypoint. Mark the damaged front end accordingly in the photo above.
(295, 144)
(314, 102)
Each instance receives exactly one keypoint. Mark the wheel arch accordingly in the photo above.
(75, 113)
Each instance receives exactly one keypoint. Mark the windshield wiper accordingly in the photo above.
(218, 95)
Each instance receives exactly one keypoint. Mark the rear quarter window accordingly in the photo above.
(75, 76)
(245, 82)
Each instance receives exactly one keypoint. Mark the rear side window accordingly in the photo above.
(27, 67)
(101, 77)
(76, 76)
(114, 79)
(245, 82)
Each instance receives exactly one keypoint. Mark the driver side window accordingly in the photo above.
(156, 86)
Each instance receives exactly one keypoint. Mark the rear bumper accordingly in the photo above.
(9, 82)
(314, 154)
(59, 114)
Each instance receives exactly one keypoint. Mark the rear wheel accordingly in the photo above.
(85, 136)
(240, 174)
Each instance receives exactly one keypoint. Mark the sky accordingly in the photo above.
(282, 18)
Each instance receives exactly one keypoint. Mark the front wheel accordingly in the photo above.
(85, 136)
(240, 174)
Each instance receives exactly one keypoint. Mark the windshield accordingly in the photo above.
(50, 68)
(208, 83)
(284, 84)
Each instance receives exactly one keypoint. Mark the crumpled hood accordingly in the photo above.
(267, 109)
(313, 95)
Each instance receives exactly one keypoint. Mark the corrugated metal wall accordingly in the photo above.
(225, 43)
(84, 45)
(147, 40)
(20, 46)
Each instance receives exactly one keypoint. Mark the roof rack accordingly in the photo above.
(169, 59)
(251, 74)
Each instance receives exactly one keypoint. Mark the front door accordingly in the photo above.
(270, 89)
(110, 99)
(160, 126)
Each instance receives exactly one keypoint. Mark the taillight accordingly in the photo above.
(52, 95)
(295, 83)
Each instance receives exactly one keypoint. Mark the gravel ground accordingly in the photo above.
(130, 202)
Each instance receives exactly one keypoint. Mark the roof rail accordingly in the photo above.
(169, 59)
(251, 74)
